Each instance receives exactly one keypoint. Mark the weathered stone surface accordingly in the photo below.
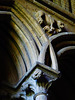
(29, 55)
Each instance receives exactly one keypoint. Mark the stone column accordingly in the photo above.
(63, 3)
(41, 97)
(67, 5)
(36, 84)
(73, 6)
(42, 82)
(58, 2)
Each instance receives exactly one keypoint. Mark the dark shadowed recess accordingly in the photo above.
(6, 2)
(64, 88)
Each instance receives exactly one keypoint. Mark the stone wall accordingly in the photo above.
(73, 6)
(66, 4)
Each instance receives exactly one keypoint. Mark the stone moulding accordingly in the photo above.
(37, 80)
(22, 29)
(24, 54)
(25, 45)
(55, 10)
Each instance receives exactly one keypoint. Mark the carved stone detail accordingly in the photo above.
(37, 74)
(35, 86)
(48, 23)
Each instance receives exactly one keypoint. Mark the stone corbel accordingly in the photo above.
(48, 23)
